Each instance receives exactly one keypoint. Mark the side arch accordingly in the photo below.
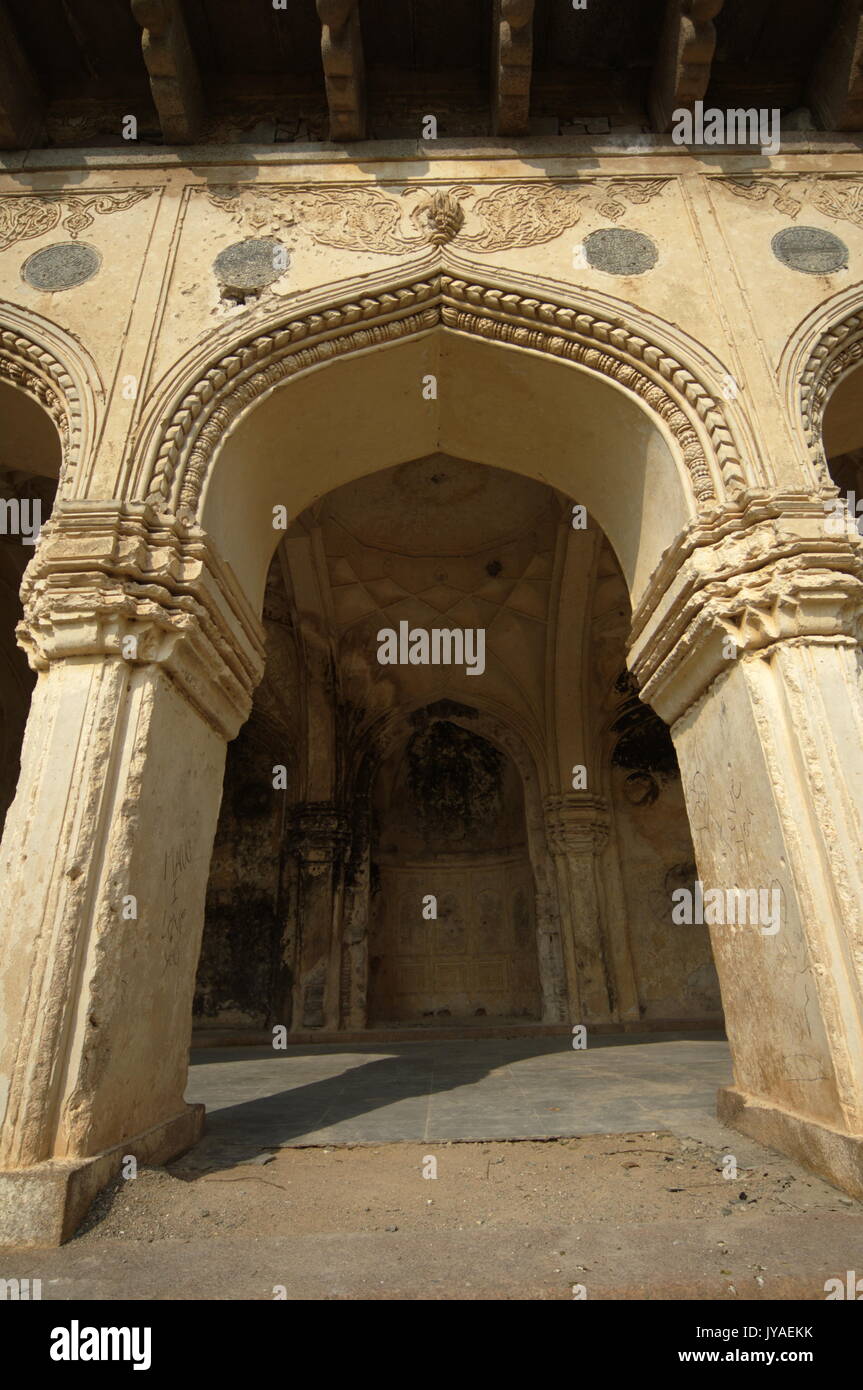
(824, 348)
(54, 370)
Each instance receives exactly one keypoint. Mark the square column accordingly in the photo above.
(753, 656)
(142, 678)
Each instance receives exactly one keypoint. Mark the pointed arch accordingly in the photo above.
(671, 378)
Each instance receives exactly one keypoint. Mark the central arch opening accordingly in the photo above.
(426, 838)
(422, 831)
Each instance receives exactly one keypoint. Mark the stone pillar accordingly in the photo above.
(749, 647)
(146, 656)
(320, 839)
(577, 826)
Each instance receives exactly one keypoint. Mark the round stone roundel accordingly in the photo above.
(61, 267)
(620, 252)
(250, 265)
(811, 250)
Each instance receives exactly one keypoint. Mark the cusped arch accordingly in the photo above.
(671, 378)
(46, 363)
(824, 348)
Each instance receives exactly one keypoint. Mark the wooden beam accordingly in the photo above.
(174, 78)
(681, 73)
(512, 63)
(344, 68)
(834, 93)
(21, 106)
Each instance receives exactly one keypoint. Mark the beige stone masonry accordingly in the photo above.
(120, 785)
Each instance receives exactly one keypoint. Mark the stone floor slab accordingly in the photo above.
(476, 1088)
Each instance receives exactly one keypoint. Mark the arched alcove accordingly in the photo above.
(318, 885)
(495, 405)
(452, 931)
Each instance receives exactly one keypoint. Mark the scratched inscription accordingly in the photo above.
(177, 860)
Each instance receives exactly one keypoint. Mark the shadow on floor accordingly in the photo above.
(258, 1099)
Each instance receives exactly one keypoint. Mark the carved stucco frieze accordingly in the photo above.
(838, 198)
(24, 216)
(694, 415)
(114, 580)
(371, 219)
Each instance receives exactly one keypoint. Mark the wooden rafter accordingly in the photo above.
(681, 73)
(344, 67)
(512, 63)
(835, 89)
(174, 78)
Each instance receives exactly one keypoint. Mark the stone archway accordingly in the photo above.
(156, 599)
(821, 352)
(658, 386)
(50, 396)
(820, 374)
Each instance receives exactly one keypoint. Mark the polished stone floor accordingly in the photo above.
(475, 1088)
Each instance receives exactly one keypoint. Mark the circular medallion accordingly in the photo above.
(620, 252)
(61, 267)
(251, 265)
(810, 250)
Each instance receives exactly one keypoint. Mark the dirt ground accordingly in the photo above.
(381, 1188)
(645, 1216)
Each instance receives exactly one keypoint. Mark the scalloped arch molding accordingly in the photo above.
(197, 417)
(54, 370)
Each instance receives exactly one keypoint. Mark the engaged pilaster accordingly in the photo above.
(577, 828)
(320, 839)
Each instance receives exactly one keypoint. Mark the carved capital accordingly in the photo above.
(113, 579)
(576, 824)
(772, 574)
(320, 835)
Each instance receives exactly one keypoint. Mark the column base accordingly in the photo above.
(45, 1204)
(833, 1155)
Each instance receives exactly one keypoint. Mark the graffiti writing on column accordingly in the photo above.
(177, 860)
(731, 826)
